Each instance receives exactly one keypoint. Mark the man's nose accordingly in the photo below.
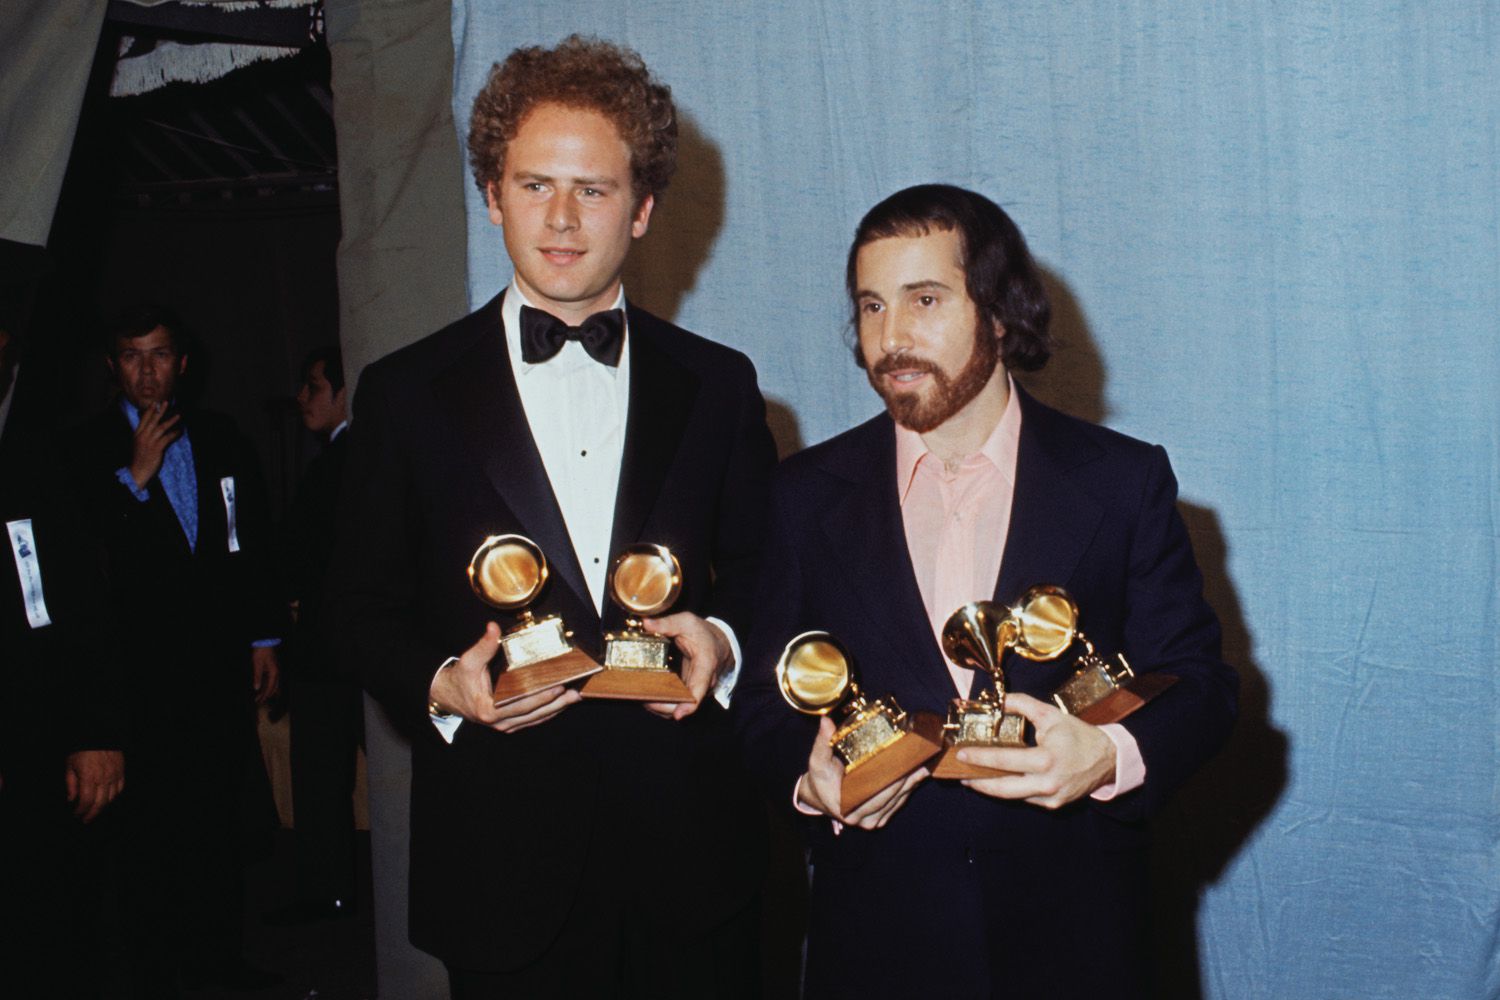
(895, 335)
(562, 214)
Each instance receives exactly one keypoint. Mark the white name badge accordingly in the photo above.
(226, 487)
(29, 569)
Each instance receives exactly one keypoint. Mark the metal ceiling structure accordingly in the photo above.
(262, 130)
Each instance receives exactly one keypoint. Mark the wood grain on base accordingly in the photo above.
(919, 744)
(518, 682)
(637, 685)
(1127, 699)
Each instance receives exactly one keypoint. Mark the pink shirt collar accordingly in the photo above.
(1001, 447)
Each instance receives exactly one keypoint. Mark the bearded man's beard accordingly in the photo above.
(948, 395)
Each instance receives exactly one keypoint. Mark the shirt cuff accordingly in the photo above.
(1130, 769)
(265, 643)
(725, 688)
(446, 725)
(128, 481)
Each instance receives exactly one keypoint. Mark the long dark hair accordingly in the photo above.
(1001, 278)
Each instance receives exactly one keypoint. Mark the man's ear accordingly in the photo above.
(642, 220)
(493, 200)
(182, 364)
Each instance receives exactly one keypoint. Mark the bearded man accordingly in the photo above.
(1032, 883)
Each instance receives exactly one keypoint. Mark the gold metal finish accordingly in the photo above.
(983, 722)
(815, 677)
(508, 571)
(645, 580)
(813, 673)
(1095, 680)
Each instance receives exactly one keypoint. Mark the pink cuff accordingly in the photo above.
(1130, 769)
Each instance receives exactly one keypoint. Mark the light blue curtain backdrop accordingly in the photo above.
(1271, 230)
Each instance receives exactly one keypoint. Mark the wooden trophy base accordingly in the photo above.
(637, 685)
(950, 768)
(918, 744)
(1125, 700)
(518, 682)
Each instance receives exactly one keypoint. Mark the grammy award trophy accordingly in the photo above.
(508, 572)
(645, 580)
(977, 636)
(876, 740)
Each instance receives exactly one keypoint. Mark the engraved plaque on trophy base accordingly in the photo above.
(897, 753)
(1098, 695)
(516, 683)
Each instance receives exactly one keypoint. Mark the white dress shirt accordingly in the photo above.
(577, 409)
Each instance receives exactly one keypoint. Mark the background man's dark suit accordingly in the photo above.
(187, 619)
(59, 693)
(327, 715)
(509, 831)
(961, 894)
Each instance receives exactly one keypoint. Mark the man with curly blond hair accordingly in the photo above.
(558, 848)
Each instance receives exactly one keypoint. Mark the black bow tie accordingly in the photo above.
(543, 335)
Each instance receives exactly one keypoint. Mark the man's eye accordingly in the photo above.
(593, 193)
(869, 308)
(926, 300)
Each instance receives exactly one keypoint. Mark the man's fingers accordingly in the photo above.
(1035, 711)
(566, 697)
(70, 778)
(1017, 760)
(874, 810)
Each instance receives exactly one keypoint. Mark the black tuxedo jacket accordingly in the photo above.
(503, 825)
(187, 617)
(962, 895)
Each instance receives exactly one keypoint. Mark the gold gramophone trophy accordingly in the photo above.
(977, 636)
(645, 580)
(508, 572)
(1103, 691)
(878, 742)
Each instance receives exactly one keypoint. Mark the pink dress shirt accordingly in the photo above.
(956, 522)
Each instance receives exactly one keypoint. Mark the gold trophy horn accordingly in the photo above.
(876, 740)
(1038, 627)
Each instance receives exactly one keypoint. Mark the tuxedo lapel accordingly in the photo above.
(662, 393)
(478, 392)
(869, 543)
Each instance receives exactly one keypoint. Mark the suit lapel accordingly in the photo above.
(478, 392)
(869, 542)
(1052, 520)
(662, 394)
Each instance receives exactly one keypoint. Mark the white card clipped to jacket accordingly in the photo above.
(29, 569)
(226, 487)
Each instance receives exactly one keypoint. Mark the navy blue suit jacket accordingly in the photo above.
(963, 895)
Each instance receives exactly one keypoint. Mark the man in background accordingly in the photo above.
(61, 719)
(327, 721)
(176, 497)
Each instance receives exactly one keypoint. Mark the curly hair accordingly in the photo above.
(1000, 276)
(584, 73)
